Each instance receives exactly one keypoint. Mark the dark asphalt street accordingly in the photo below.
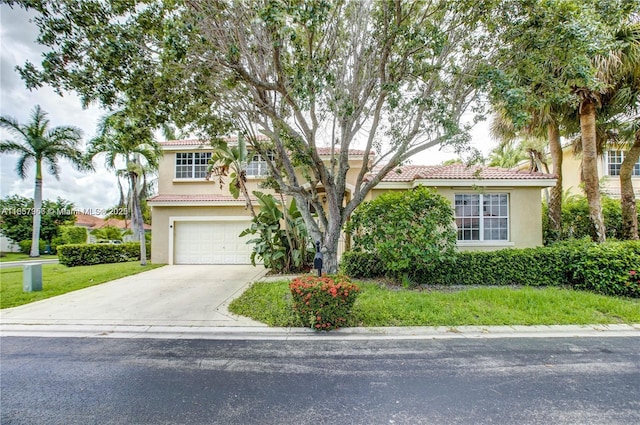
(457, 381)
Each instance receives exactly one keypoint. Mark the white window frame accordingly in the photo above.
(619, 157)
(194, 167)
(482, 219)
(258, 167)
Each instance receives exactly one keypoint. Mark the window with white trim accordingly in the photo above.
(192, 165)
(614, 162)
(482, 217)
(258, 166)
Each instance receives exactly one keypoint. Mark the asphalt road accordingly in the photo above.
(457, 381)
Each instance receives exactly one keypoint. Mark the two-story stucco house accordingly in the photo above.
(608, 169)
(195, 221)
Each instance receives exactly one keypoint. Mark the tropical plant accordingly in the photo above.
(506, 155)
(109, 233)
(40, 144)
(282, 250)
(576, 223)
(130, 149)
(230, 161)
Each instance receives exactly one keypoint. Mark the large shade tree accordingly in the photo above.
(36, 143)
(389, 78)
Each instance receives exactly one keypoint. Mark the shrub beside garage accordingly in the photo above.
(610, 268)
(89, 254)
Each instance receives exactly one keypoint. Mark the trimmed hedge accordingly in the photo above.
(361, 264)
(25, 246)
(89, 254)
(602, 268)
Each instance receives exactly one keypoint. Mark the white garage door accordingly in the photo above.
(211, 242)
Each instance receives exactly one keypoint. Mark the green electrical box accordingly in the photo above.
(32, 278)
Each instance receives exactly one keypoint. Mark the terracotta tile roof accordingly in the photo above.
(410, 173)
(92, 222)
(354, 152)
(190, 142)
(204, 143)
(121, 224)
(195, 198)
(199, 142)
(87, 220)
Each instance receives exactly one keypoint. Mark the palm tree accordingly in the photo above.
(231, 161)
(626, 95)
(40, 144)
(618, 66)
(507, 154)
(130, 150)
(618, 123)
(546, 121)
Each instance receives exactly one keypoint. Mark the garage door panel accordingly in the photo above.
(211, 242)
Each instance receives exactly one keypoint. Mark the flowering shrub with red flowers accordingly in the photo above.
(323, 303)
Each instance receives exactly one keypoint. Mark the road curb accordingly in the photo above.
(359, 333)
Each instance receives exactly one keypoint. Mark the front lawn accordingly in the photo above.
(18, 256)
(58, 279)
(270, 302)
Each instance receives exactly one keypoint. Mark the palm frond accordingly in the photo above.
(23, 165)
(13, 126)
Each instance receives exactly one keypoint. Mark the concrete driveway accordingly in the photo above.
(180, 295)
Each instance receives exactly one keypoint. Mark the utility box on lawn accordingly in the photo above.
(32, 278)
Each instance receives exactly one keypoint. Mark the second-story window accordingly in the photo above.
(614, 162)
(192, 165)
(258, 166)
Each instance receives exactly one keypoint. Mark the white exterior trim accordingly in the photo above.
(195, 203)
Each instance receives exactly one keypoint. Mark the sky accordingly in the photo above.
(95, 191)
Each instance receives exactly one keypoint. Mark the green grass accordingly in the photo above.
(270, 302)
(58, 279)
(18, 256)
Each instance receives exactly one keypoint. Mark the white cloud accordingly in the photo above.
(91, 191)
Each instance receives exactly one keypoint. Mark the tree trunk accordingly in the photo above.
(138, 222)
(627, 197)
(37, 214)
(330, 250)
(555, 198)
(590, 168)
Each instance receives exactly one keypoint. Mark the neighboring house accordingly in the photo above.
(91, 222)
(198, 222)
(608, 170)
(8, 245)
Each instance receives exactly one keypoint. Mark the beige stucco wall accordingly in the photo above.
(162, 216)
(525, 216)
(571, 176)
(169, 185)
